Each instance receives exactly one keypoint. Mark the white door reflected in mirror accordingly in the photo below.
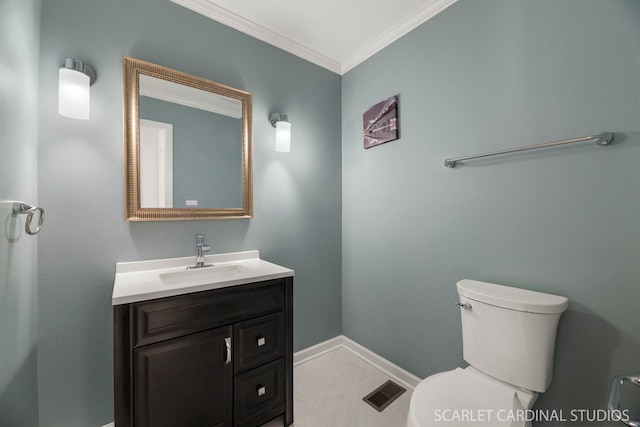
(156, 164)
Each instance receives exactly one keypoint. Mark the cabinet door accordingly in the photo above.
(186, 382)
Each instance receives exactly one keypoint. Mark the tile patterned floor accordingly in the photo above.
(328, 392)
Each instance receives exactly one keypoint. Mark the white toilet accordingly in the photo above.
(508, 337)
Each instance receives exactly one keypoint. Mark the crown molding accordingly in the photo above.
(415, 20)
(224, 16)
(233, 20)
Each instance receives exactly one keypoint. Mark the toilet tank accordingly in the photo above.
(510, 333)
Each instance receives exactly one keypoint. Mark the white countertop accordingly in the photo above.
(144, 280)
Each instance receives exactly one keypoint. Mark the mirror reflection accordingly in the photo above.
(189, 151)
(192, 140)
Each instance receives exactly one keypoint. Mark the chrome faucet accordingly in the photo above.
(201, 248)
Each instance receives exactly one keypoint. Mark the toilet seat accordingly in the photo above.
(467, 397)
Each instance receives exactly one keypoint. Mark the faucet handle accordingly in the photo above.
(200, 243)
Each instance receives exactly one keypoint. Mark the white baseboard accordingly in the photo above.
(110, 425)
(318, 349)
(405, 378)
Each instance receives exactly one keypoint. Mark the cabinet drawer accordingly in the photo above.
(258, 341)
(259, 394)
(165, 318)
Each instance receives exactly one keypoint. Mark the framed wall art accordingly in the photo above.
(380, 123)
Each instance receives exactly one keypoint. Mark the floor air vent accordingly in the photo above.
(384, 395)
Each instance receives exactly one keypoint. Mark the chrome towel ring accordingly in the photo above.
(24, 208)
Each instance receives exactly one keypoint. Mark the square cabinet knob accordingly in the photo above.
(261, 390)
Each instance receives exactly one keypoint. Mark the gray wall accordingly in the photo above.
(483, 76)
(19, 48)
(296, 195)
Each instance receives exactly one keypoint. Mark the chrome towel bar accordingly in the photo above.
(604, 138)
(24, 208)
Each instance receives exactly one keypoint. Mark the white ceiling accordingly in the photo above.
(335, 34)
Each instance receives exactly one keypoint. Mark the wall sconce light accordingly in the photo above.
(283, 131)
(74, 79)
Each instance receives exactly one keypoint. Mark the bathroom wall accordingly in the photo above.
(485, 76)
(296, 195)
(19, 47)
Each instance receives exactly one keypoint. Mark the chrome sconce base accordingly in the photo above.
(77, 65)
(277, 117)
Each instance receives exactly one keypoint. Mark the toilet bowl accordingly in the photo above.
(466, 396)
(509, 342)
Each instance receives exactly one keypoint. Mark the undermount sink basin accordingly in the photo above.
(200, 274)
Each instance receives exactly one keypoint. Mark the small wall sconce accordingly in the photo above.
(283, 131)
(74, 79)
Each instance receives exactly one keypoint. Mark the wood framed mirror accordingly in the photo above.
(187, 146)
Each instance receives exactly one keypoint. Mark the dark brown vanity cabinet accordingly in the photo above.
(217, 358)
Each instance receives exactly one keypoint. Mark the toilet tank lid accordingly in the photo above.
(512, 298)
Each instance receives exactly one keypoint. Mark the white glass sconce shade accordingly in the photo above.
(283, 132)
(74, 81)
(283, 136)
(73, 96)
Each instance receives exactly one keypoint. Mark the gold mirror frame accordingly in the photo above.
(133, 68)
